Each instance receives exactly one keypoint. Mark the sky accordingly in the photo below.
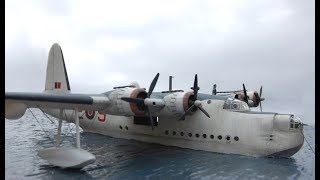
(269, 43)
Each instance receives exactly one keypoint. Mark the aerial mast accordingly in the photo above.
(170, 83)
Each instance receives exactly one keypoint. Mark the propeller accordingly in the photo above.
(141, 101)
(245, 94)
(194, 102)
(260, 99)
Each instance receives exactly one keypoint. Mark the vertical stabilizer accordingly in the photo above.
(57, 77)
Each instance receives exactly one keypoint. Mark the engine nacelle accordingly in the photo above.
(252, 98)
(122, 108)
(176, 104)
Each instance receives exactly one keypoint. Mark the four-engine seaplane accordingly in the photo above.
(175, 118)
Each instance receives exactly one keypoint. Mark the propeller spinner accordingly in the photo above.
(194, 103)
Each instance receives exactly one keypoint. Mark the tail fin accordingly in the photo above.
(57, 77)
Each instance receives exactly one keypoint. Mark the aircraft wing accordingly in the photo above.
(17, 102)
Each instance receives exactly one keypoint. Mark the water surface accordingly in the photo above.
(129, 159)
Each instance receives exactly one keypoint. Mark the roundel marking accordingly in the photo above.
(90, 114)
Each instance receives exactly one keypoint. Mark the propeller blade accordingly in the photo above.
(132, 100)
(150, 117)
(260, 106)
(195, 87)
(188, 110)
(245, 94)
(204, 111)
(260, 91)
(152, 85)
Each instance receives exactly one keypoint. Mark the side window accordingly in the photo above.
(244, 106)
(235, 105)
(227, 104)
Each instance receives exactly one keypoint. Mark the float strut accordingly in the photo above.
(59, 129)
(77, 128)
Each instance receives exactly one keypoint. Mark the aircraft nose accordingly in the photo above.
(291, 129)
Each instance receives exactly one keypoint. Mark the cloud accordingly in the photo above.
(118, 45)
(111, 43)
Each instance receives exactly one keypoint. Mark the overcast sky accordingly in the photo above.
(112, 43)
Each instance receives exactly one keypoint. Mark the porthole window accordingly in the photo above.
(181, 133)
(174, 133)
(228, 138)
(166, 132)
(127, 128)
(209, 101)
(190, 134)
(236, 138)
(120, 127)
(197, 135)
(204, 136)
(211, 136)
(219, 137)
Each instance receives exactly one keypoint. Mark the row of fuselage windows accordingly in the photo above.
(228, 138)
(174, 133)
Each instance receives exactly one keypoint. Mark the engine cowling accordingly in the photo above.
(120, 107)
(253, 99)
(176, 104)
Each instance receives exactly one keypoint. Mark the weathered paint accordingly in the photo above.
(256, 132)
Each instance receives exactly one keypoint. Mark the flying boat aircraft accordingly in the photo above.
(190, 119)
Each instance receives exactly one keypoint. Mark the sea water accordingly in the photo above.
(130, 159)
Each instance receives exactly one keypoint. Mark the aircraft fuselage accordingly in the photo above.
(232, 132)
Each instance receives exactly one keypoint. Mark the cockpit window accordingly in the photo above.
(234, 104)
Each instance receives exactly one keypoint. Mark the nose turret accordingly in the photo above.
(287, 122)
(295, 122)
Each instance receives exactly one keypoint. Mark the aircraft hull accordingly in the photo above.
(243, 133)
